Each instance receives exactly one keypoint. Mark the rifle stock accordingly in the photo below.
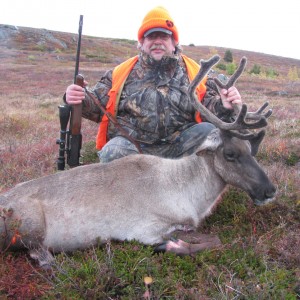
(75, 136)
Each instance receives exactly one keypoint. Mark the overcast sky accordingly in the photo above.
(255, 25)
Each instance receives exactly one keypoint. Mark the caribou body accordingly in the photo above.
(139, 197)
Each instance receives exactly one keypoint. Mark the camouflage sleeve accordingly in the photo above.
(212, 100)
(89, 109)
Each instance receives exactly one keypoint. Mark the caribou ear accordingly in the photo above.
(255, 142)
(211, 143)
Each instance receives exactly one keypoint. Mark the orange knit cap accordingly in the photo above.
(159, 18)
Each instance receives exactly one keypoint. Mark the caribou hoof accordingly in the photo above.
(43, 257)
(181, 247)
(160, 248)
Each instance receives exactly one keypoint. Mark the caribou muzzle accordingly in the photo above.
(263, 191)
(264, 195)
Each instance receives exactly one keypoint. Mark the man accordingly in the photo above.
(148, 95)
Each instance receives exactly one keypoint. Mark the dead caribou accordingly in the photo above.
(139, 197)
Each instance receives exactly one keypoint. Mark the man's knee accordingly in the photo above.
(116, 148)
(205, 128)
(198, 131)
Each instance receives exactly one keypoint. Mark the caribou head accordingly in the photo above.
(235, 144)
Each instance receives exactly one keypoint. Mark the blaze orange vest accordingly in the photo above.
(119, 76)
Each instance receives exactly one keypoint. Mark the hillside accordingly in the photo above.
(45, 55)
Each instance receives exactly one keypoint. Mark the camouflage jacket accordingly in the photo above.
(154, 104)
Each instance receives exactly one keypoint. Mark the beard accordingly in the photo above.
(158, 47)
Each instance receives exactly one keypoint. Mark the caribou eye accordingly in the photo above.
(230, 155)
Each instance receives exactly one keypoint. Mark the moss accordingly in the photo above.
(292, 159)
(89, 153)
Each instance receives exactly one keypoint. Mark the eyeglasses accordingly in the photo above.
(155, 35)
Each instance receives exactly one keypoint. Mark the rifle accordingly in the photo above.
(70, 141)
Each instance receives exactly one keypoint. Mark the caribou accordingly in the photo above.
(140, 197)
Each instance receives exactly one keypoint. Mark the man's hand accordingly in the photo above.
(75, 94)
(230, 97)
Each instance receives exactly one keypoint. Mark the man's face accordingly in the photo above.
(158, 44)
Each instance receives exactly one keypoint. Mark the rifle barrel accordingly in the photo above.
(78, 47)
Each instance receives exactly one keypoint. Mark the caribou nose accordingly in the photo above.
(270, 192)
(268, 195)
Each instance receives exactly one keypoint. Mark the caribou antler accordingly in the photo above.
(257, 114)
(234, 77)
(250, 115)
(239, 124)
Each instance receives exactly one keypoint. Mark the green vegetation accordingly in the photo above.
(230, 68)
(271, 73)
(293, 73)
(31, 57)
(256, 69)
(228, 57)
(292, 159)
(89, 153)
(221, 66)
(125, 41)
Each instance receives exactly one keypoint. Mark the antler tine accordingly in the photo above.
(239, 123)
(258, 114)
(232, 80)
(234, 77)
(255, 138)
(205, 67)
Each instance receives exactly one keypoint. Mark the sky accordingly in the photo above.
(271, 27)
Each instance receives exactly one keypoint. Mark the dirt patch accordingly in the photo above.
(19, 279)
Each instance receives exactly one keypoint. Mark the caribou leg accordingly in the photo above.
(193, 242)
(43, 257)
